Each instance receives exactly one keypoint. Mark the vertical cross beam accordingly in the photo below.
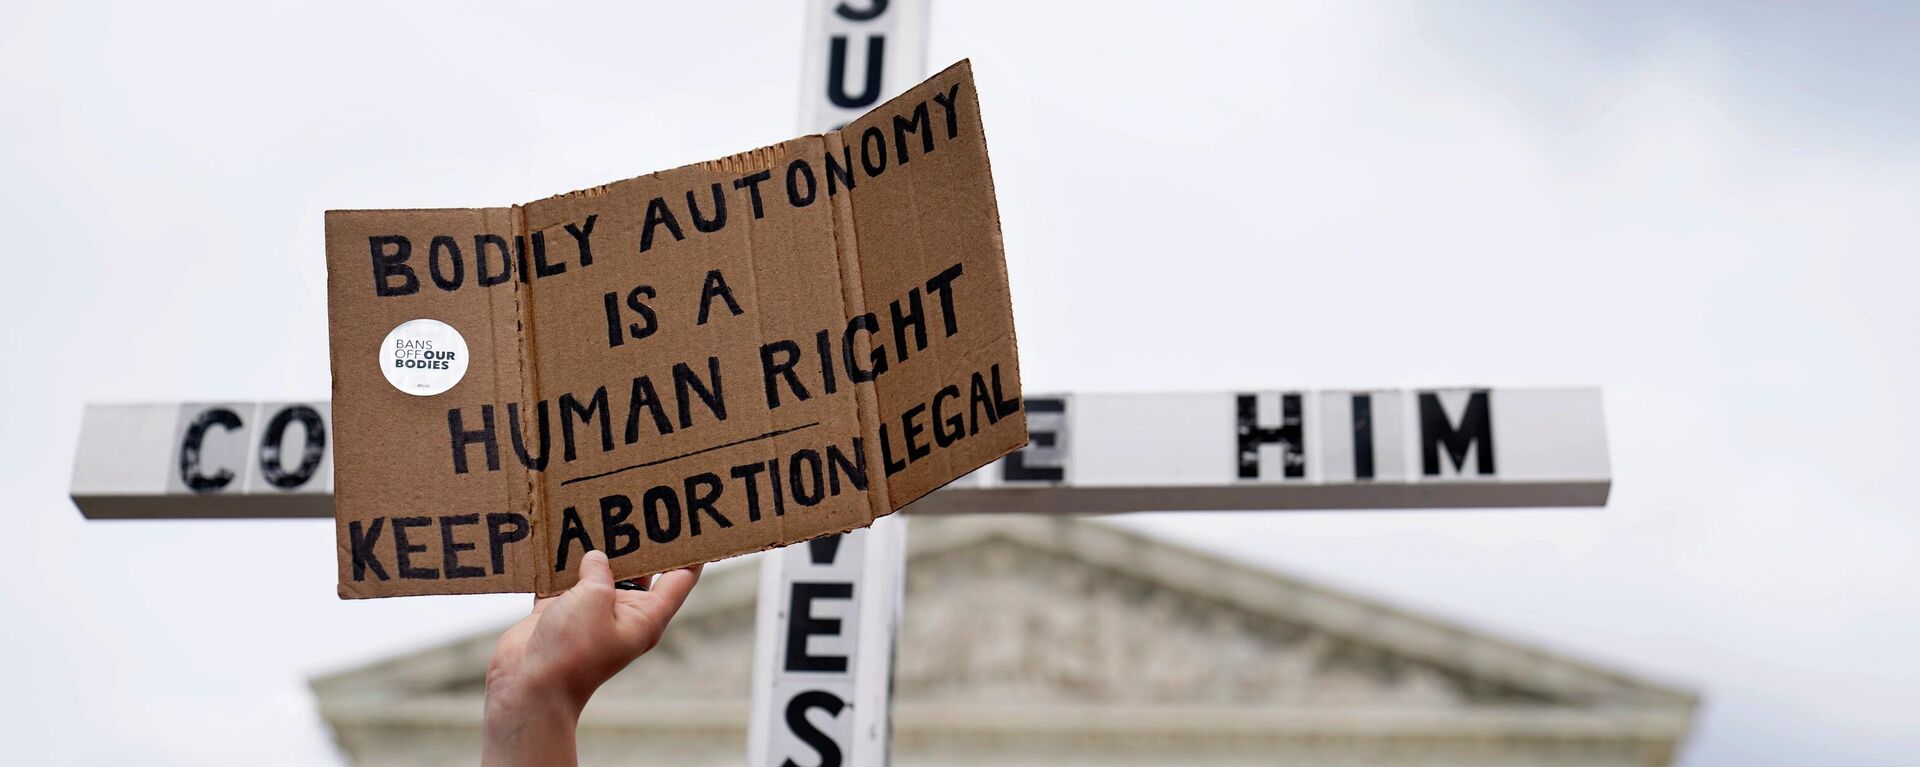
(829, 609)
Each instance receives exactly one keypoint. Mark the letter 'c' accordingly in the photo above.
(190, 450)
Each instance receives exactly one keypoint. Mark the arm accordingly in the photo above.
(548, 665)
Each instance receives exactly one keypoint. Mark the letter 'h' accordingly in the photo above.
(1289, 436)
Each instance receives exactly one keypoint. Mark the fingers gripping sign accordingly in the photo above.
(548, 665)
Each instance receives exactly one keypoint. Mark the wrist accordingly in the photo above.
(518, 696)
(528, 724)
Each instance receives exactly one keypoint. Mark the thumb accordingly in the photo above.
(595, 573)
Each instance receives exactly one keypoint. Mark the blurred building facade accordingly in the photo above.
(1065, 641)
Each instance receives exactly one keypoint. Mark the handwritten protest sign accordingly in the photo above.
(675, 368)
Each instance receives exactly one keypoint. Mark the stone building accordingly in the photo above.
(1064, 641)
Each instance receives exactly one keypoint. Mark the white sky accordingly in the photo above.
(1710, 212)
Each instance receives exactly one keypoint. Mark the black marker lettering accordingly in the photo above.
(498, 536)
(540, 266)
(840, 173)
(802, 493)
(404, 551)
(719, 218)
(947, 102)
(918, 124)
(751, 183)
(914, 319)
(662, 514)
(658, 214)
(571, 531)
(784, 369)
(621, 537)
(716, 285)
(361, 543)
(388, 263)
(685, 380)
(855, 468)
(450, 548)
(942, 284)
(445, 245)
(797, 170)
(571, 408)
(481, 242)
(535, 462)
(873, 151)
(460, 437)
(643, 397)
(580, 234)
(701, 491)
(947, 429)
(749, 475)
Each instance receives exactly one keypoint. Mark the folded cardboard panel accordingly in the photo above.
(674, 368)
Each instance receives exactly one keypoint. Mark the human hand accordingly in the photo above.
(546, 666)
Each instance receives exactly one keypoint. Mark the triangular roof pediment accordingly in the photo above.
(1077, 615)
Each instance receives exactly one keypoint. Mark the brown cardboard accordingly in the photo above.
(892, 216)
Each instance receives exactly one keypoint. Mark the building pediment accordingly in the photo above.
(1013, 623)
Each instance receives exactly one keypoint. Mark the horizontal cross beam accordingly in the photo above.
(1090, 453)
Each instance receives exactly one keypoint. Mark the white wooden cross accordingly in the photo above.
(829, 609)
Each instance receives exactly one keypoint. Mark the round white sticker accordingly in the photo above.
(423, 357)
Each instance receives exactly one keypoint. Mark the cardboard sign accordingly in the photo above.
(675, 368)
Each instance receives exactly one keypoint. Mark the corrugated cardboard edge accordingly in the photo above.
(529, 367)
(1000, 244)
(986, 158)
(853, 299)
(343, 588)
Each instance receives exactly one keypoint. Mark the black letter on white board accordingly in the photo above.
(1289, 435)
(190, 450)
(1476, 425)
(861, 14)
(1044, 459)
(804, 730)
(837, 72)
(802, 624)
(311, 452)
(823, 550)
(1363, 436)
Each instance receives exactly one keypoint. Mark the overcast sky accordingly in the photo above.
(1708, 209)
